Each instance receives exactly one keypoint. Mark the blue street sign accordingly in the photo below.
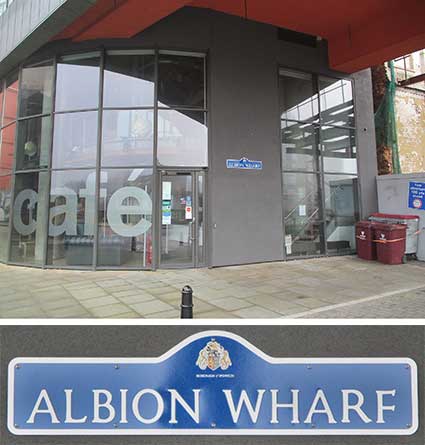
(244, 164)
(213, 382)
(417, 195)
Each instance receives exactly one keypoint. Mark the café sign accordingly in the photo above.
(213, 382)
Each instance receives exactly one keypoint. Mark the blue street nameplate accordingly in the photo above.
(244, 164)
(213, 382)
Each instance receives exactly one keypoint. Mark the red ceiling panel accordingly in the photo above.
(360, 32)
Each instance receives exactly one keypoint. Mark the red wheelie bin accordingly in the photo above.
(366, 248)
(390, 242)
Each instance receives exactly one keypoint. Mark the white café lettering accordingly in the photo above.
(141, 205)
(106, 409)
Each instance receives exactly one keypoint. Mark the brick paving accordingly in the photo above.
(317, 288)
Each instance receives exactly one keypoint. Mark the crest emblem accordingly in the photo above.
(213, 357)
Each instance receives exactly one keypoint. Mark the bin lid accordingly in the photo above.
(389, 226)
(393, 216)
(365, 224)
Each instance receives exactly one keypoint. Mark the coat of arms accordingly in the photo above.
(214, 357)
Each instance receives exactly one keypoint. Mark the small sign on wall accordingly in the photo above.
(244, 164)
(417, 195)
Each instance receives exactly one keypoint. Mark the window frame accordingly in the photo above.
(315, 77)
(102, 54)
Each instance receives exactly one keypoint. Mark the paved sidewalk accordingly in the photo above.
(401, 305)
(325, 287)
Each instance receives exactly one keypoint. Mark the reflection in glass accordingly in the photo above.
(71, 218)
(177, 227)
(299, 146)
(298, 101)
(33, 143)
(29, 218)
(201, 259)
(11, 100)
(341, 212)
(5, 199)
(1, 101)
(3, 6)
(125, 218)
(182, 138)
(129, 80)
(7, 139)
(127, 137)
(336, 102)
(302, 214)
(75, 140)
(181, 81)
(77, 83)
(36, 90)
(338, 150)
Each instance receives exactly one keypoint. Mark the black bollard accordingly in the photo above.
(187, 302)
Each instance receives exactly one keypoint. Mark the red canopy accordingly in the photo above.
(360, 33)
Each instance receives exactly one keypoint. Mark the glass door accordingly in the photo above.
(182, 219)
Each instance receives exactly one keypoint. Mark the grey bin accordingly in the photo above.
(393, 197)
(412, 223)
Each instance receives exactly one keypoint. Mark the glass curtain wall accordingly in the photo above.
(80, 140)
(8, 114)
(319, 165)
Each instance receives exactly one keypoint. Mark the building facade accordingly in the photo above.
(205, 140)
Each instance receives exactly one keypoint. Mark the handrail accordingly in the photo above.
(299, 202)
(314, 213)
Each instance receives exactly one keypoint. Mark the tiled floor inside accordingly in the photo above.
(305, 288)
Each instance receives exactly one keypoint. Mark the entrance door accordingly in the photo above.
(182, 219)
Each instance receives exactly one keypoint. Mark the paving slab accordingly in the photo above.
(325, 287)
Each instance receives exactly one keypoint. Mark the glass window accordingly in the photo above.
(7, 139)
(336, 102)
(3, 6)
(341, 212)
(29, 218)
(1, 100)
(299, 146)
(77, 83)
(11, 100)
(75, 140)
(181, 81)
(182, 138)
(36, 90)
(5, 198)
(127, 138)
(125, 218)
(33, 144)
(71, 218)
(129, 80)
(338, 150)
(302, 214)
(298, 100)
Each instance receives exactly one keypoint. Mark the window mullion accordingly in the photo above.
(98, 160)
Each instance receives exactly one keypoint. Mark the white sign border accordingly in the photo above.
(213, 431)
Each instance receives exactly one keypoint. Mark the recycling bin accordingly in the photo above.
(412, 222)
(366, 248)
(390, 242)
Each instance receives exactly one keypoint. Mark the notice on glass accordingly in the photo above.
(166, 211)
(288, 244)
(302, 210)
(166, 190)
(188, 212)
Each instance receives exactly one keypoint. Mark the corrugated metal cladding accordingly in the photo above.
(26, 25)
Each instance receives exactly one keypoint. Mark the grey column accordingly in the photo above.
(366, 142)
